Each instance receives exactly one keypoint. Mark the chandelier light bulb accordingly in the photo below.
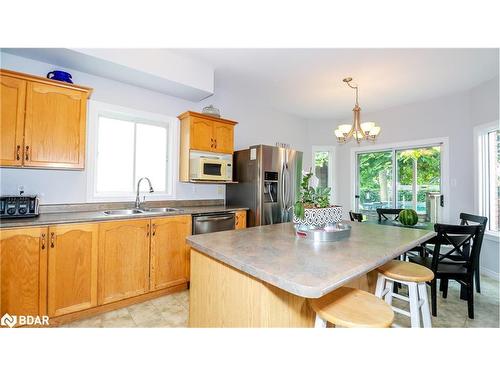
(345, 128)
(367, 126)
(339, 133)
(375, 131)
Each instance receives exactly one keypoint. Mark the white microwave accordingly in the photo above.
(210, 167)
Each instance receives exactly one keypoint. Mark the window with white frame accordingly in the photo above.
(323, 167)
(125, 146)
(488, 174)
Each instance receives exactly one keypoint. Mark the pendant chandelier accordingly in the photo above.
(358, 130)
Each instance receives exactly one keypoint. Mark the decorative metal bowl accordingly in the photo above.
(329, 233)
(211, 111)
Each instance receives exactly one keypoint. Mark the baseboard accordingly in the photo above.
(490, 273)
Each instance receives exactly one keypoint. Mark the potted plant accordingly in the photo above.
(313, 205)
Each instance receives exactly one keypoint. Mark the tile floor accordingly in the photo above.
(452, 311)
(167, 311)
(172, 311)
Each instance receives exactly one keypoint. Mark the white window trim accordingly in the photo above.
(332, 170)
(95, 109)
(480, 173)
(445, 174)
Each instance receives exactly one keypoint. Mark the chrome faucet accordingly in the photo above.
(137, 199)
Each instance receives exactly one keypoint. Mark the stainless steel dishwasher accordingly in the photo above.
(213, 222)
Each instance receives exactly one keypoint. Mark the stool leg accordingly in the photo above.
(388, 297)
(380, 285)
(319, 323)
(426, 312)
(414, 308)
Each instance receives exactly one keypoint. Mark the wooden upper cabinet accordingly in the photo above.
(169, 251)
(202, 134)
(72, 268)
(224, 138)
(12, 102)
(23, 271)
(123, 260)
(43, 122)
(240, 219)
(55, 126)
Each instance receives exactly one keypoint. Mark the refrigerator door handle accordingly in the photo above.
(283, 187)
(287, 188)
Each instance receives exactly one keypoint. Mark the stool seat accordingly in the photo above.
(406, 271)
(349, 307)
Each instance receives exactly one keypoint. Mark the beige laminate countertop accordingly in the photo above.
(92, 216)
(273, 254)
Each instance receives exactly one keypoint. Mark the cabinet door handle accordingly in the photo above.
(147, 232)
(154, 229)
(215, 140)
(43, 241)
(211, 142)
(18, 152)
(52, 239)
(27, 156)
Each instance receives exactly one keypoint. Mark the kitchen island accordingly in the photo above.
(263, 276)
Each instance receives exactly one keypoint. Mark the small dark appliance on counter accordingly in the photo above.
(18, 206)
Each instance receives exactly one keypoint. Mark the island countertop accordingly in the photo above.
(273, 254)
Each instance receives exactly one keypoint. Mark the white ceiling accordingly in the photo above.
(308, 82)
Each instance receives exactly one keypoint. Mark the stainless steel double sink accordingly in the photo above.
(142, 211)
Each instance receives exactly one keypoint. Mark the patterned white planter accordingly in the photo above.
(320, 217)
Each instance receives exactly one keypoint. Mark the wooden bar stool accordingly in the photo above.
(412, 275)
(351, 308)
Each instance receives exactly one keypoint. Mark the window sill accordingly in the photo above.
(130, 198)
(492, 236)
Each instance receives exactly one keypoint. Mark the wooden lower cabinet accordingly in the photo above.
(123, 259)
(72, 270)
(240, 220)
(72, 273)
(169, 251)
(23, 271)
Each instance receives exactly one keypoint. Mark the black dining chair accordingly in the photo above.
(461, 271)
(463, 246)
(355, 216)
(468, 219)
(382, 212)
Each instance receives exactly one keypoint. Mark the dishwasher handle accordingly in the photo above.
(202, 219)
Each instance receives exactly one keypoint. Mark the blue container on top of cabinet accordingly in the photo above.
(59, 75)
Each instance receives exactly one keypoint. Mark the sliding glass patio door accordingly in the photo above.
(375, 181)
(399, 178)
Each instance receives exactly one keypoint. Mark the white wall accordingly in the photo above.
(257, 124)
(452, 116)
(484, 109)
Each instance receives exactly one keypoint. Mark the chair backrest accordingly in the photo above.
(467, 219)
(470, 234)
(356, 216)
(381, 212)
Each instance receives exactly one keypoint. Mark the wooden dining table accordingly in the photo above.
(420, 225)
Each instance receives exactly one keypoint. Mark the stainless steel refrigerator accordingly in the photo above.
(268, 182)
